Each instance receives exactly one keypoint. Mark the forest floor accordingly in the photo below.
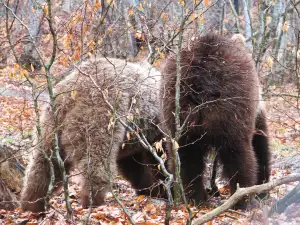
(17, 125)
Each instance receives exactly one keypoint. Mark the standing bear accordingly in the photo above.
(91, 103)
(221, 107)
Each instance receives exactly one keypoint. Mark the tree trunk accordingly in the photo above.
(29, 55)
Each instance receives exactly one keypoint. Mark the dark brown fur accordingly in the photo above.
(141, 169)
(220, 97)
(138, 165)
(86, 144)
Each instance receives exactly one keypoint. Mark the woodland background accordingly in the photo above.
(139, 30)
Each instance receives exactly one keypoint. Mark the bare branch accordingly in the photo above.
(26, 27)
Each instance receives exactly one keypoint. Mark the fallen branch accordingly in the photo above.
(241, 192)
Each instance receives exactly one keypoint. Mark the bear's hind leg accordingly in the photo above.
(99, 189)
(261, 147)
(99, 164)
(192, 167)
(240, 165)
(94, 179)
(34, 193)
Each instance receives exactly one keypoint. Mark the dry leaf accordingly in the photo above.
(16, 66)
(158, 146)
(164, 17)
(133, 100)
(202, 20)
(130, 12)
(206, 2)
(128, 135)
(76, 55)
(73, 94)
(130, 117)
(175, 145)
(285, 27)
(46, 10)
(269, 62)
(97, 5)
(140, 198)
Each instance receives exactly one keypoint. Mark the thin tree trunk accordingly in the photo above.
(248, 24)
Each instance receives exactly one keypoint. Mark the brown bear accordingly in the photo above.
(91, 102)
(221, 106)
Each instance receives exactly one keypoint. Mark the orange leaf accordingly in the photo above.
(99, 216)
(140, 198)
(164, 17)
(97, 5)
(202, 20)
(45, 9)
(16, 66)
(209, 222)
(285, 27)
(206, 2)
(77, 55)
(131, 12)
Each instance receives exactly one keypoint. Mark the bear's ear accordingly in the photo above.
(239, 38)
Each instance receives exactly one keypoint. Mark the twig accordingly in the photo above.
(285, 95)
(234, 211)
(236, 16)
(231, 217)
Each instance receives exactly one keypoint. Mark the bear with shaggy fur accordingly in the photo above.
(90, 132)
(221, 106)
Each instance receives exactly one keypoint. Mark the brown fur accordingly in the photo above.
(86, 144)
(220, 98)
(139, 166)
(141, 169)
